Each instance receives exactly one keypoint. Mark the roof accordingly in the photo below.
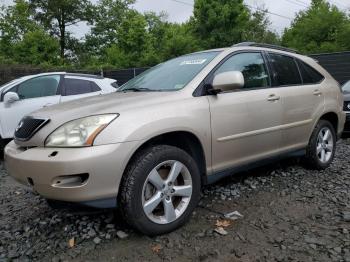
(68, 74)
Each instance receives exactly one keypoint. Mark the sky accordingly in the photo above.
(282, 11)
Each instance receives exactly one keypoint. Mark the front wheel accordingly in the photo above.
(321, 149)
(160, 189)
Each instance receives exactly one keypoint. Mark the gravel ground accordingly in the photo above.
(289, 214)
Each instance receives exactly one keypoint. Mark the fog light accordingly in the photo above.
(70, 181)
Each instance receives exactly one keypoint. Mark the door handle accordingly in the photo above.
(273, 98)
(317, 92)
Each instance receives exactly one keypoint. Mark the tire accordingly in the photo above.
(314, 158)
(138, 189)
(3, 143)
(54, 204)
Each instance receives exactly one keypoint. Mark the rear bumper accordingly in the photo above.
(99, 169)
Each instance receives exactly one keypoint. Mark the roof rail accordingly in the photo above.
(277, 47)
(84, 75)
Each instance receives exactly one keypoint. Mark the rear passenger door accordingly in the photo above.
(302, 98)
(75, 88)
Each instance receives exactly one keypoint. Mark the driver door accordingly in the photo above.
(245, 122)
(34, 94)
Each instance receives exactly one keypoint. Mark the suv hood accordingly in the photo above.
(117, 102)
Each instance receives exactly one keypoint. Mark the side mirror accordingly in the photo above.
(10, 97)
(228, 81)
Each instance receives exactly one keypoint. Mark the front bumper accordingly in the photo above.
(44, 170)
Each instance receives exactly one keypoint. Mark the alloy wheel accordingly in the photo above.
(325, 145)
(167, 192)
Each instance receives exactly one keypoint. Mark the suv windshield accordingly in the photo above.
(172, 75)
(346, 87)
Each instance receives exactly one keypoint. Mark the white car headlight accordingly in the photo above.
(80, 132)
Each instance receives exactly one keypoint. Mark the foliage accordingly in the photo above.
(37, 32)
(38, 48)
(219, 23)
(321, 28)
(15, 21)
(257, 29)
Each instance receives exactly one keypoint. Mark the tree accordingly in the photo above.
(179, 40)
(15, 21)
(219, 23)
(131, 43)
(57, 15)
(38, 48)
(321, 28)
(107, 19)
(257, 28)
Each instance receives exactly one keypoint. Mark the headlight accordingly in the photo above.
(80, 132)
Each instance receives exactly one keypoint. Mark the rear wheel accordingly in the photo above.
(160, 189)
(322, 145)
(3, 143)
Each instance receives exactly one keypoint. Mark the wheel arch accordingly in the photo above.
(184, 140)
(332, 118)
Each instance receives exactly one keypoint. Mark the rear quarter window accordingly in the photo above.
(115, 85)
(79, 86)
(309, 74)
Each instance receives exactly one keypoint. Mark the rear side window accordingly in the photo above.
(79, 86)
(309, 75)
(285, 70)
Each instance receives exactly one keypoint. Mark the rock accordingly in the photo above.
(97, 240)
(110, 226)
(311, 240)
(221, 231)
(233, 215)
(346, 216)
(338, 250)
(55, 259)
(92, 233)
(122, 234)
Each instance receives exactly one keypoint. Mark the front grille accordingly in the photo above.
(346, 106)
(28, 127)
(347, 123)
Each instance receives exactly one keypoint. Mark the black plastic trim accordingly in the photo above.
(251, 165)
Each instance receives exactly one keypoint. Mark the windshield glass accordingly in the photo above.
(172, 75)
(346, 87)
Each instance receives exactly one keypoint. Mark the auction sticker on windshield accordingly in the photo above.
(194, 62)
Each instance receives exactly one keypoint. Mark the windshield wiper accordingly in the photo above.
(135, 89)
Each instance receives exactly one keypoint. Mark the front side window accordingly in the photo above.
(172, 75)
(38, 87)
(251, 65)
(285, 70)
(79, 86)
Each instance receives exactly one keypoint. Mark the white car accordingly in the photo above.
(24, 95)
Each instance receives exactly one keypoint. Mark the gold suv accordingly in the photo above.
(149, 147)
